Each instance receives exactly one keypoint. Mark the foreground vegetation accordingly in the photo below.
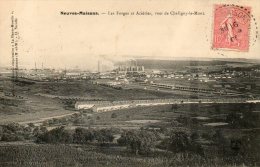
(178, 139)
(73, 155)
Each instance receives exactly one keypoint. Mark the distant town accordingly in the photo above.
(230, 80)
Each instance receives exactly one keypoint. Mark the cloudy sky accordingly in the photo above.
(60, 41)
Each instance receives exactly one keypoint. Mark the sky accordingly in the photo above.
(59, 41)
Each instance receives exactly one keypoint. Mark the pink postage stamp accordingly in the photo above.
(231, 27)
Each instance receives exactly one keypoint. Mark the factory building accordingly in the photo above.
(125, 69)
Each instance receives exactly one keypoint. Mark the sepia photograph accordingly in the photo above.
(129, 83)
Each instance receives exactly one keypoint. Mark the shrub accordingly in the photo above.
(138, 141)
(79, 120)
(113, 115)
(31, 125)
(175, 123)
(194, 136)
(234, 119)
(39, 131)
(8, 137)
(79, 136)
(174, 107)
(13, 127)
(247, 119)
(57, 135)
(187, 121)
(179, 142)
(250, 120)
(1, 131)
(221, 141)
(104, 136)
(82, 136)
(15, 132)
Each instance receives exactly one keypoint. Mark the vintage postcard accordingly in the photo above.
(138, 83)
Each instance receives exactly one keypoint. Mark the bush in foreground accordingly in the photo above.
(14, 132)
(83, 136)
(57, 135)
(138, 141)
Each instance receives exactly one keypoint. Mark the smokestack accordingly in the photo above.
(99, 66)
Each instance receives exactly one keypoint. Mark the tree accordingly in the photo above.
(246, 119)
(233, 119)
(89, 135)
(80, 119)
(79, 136)
(236, 145)
(250, 120)
(57, 135)
(13, 127)
(8, 137)
(82, 136)
(194, 136)
(103, 136)
(221, 141)
(174, 107)
(31, 125)
(39, 131)
(1, 132)
(138, 141)
(217, 108)
(179, 141)
(15, 132)
(113, 115)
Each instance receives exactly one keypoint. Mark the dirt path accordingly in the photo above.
(48, 118)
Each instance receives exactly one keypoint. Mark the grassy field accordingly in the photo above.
(34, 107)
(160, 116)
(87, 89)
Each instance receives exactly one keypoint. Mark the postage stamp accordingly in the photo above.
(231, 27)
